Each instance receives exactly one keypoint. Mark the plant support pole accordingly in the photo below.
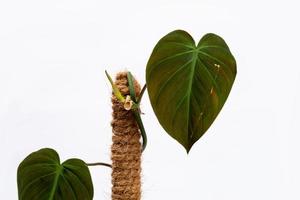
(126, 149)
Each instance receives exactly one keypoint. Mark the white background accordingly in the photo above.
(53, 93)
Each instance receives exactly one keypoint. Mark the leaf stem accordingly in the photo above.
(141, 127)
(99, 163)
(141, 94)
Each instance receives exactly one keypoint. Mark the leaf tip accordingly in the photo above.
(188, 149)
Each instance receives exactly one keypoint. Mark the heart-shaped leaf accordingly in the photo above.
(188, 84)
(42, 177)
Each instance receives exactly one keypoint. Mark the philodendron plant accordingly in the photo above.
(187, 83)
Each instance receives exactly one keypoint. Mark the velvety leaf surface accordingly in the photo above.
(188, 84)
(42, 177)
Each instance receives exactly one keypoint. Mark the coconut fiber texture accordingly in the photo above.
(126, 148)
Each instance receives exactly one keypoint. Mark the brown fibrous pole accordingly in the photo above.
(126, 148)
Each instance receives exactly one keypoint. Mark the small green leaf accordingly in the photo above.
(116, 90)
(188, 84)
(42, 177)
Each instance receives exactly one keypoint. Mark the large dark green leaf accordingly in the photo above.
(188, 84)
(42, 177)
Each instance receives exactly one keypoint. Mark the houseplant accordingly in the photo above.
(188, 85)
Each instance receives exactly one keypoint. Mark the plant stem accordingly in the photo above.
(99, 163)
(141, 94)
(141, 127)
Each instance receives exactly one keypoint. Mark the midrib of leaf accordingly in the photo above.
(170, 79)
(193, 66)
(177, 108)
(56, 179)
(214, 85)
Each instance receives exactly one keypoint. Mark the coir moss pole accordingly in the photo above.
(126, 148)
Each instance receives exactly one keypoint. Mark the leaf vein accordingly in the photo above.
(167, 58)
(170, 79)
